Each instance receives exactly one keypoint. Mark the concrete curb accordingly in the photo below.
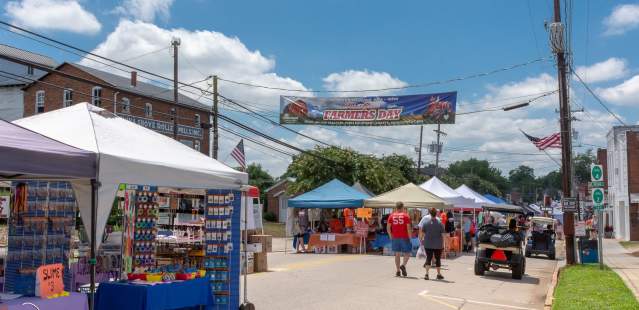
(550, 294)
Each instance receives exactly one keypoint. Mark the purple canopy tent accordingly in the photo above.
(27, 155)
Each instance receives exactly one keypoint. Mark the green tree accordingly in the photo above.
(523, 180)
(406, 166)
(582, 164)
(346, 165)
(466, 170)
(259, 178)
(551, 183)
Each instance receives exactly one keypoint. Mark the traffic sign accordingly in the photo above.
(597, 198)
(596, 172)
(595, 184)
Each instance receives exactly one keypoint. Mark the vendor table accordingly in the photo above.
(73, 301)
(340, 239)
(174, 295)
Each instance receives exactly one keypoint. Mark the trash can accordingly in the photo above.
(588, 251)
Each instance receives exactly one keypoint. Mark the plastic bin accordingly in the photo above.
(588, 251)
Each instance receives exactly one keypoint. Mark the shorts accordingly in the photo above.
(402, 245)
(438, 257)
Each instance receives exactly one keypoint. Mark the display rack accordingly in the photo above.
(222, 246)
(40, 225)
(146, 212)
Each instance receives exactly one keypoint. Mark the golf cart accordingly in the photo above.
(499, 248)
(541, 239)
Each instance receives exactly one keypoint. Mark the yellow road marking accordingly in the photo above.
(464, 300)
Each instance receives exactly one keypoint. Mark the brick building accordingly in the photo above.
(623, 181)
(143, 103)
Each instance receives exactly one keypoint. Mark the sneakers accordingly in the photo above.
(440, 277)
(397, 274)
(403, 269)
(426, 277)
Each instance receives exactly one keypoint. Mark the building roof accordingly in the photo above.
(278, 183)
(27, 56)
(21, 69)
(142, 88)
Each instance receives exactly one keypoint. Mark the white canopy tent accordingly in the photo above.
(410, 194)
(469, 193)
(443, 191)
(129, 154)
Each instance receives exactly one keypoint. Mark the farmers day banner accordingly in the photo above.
(369, 111)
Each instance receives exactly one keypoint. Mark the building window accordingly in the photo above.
(96, 96)
(39, 103)
(148, 110)
(67, 98)
(30, 70)
(197, 120)
(126, 105)
(196, 146)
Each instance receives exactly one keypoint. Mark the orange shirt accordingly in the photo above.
(335, 225)
(349, 219)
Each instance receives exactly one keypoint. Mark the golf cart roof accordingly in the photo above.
(541, 219)
(504, 208)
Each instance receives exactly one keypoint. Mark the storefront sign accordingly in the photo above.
(49, 280)
(164, 127)
(4, 206)
(369, 111)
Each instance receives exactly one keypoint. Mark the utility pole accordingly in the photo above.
(215, 124)
(557, 43)
(438, 147)
(175, 43)
(419, 151)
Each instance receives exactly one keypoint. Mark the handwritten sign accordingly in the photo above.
(49, 280)
(361, 229)
(364, 213)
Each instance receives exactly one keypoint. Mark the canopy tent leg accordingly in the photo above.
(92, 261)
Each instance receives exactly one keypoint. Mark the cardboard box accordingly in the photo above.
(265, 240)
(332, 249)
(320, 250)
(261, 262)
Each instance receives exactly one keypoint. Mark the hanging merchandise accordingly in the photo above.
(222, 246)
(40, 227)
(146, 210)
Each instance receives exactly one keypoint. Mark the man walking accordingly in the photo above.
(399, 230)
(433, 241)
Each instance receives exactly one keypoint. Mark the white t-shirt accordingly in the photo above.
(424, 220)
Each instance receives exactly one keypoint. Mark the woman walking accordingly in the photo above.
(431, 234)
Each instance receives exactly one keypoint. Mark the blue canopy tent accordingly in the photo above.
(495, 199)
(332, 195)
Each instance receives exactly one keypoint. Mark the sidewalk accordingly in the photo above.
(623, 263)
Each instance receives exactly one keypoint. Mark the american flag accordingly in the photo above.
(238, 154)
(552, 141)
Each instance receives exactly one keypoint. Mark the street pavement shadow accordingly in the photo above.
(507, 277)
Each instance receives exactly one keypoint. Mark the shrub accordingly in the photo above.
(270, 216)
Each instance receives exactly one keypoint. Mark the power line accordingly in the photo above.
(597, 97)
(272, 122)
(420, 85)
(245, 137)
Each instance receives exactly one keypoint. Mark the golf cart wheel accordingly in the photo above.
(479, 268)
(528, 253)
(518, 271)
(551, 256)
(247, 306)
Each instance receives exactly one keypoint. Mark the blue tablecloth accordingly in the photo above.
(383, 241)
(176, 295)
(74, 301)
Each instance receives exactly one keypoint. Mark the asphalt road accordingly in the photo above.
(345, 281)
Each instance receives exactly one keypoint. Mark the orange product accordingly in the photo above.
(335, 225)
(348, 218)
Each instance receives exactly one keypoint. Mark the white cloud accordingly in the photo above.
(521, 91)
(361, 80)
(202, 53)
(145, 10)
(62, 15)
(626, 93)
(622, 19)
(610, 69)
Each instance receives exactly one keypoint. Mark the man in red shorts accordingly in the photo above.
(399, 230)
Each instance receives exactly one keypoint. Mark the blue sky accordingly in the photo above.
(341, 45)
